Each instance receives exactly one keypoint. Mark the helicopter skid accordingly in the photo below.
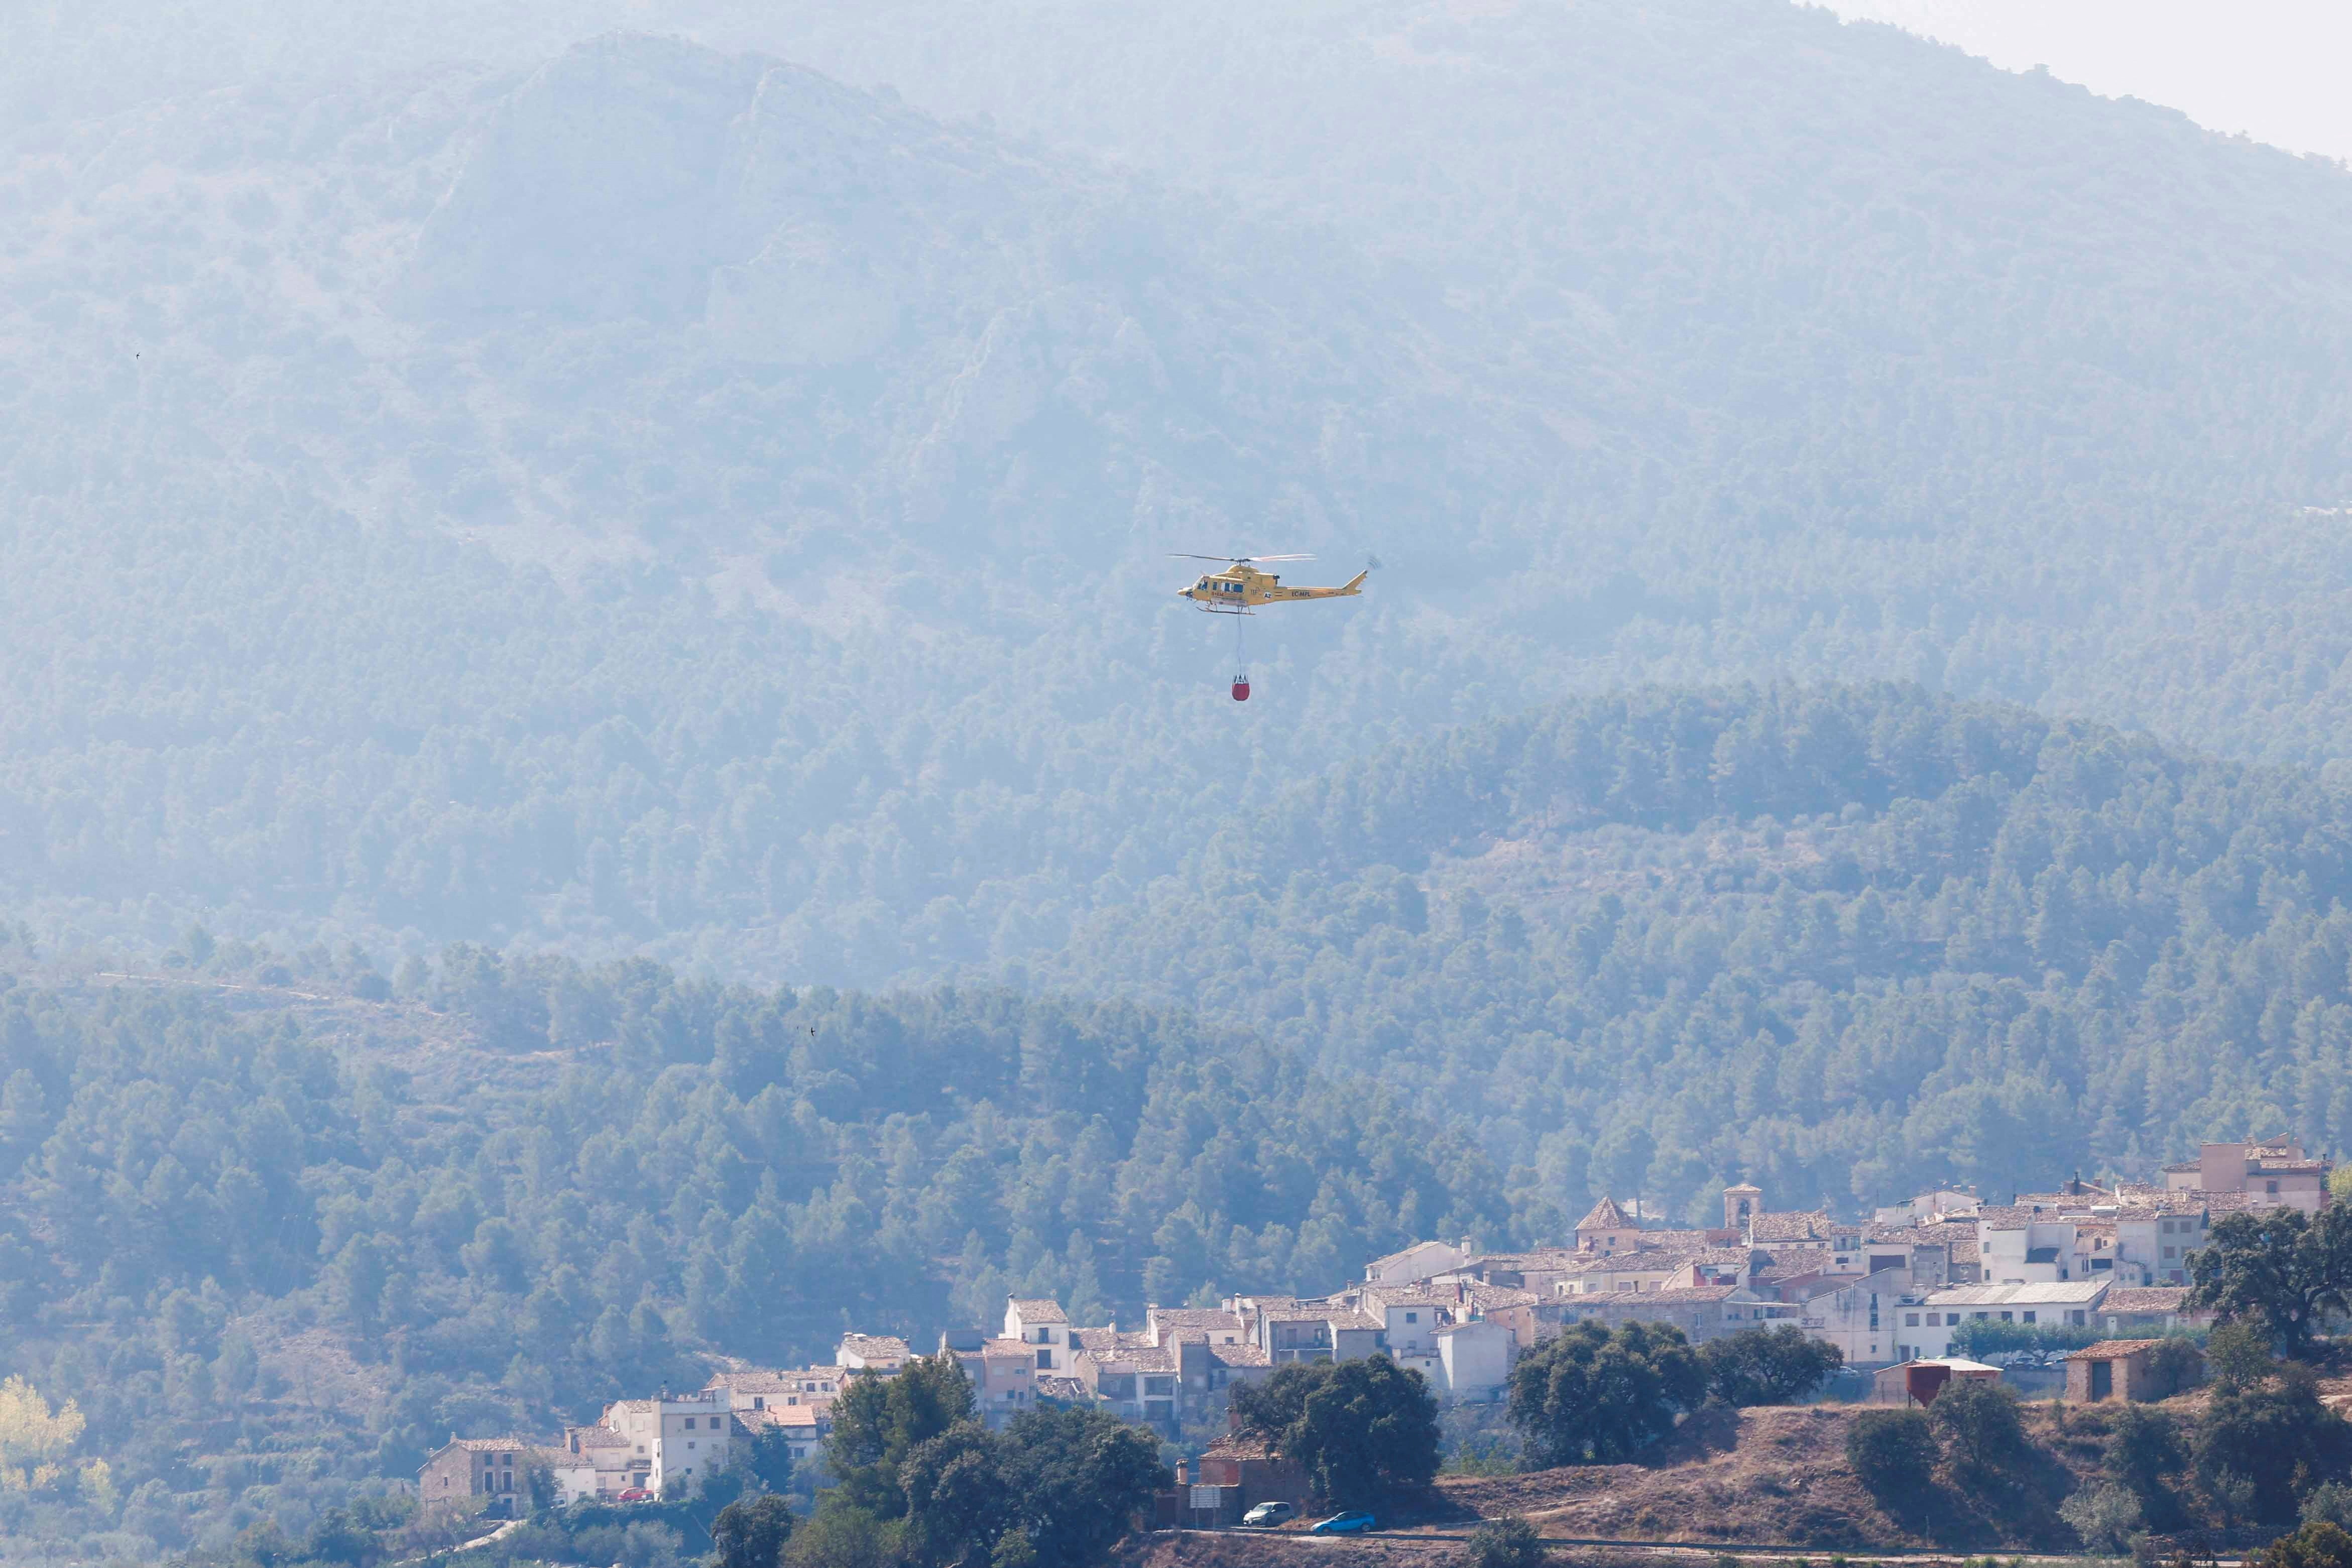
(1224, 610)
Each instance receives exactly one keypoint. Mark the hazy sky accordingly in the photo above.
(2271, 69)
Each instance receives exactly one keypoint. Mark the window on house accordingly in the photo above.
(2029, 1317)
(1412, 1317)
(759, 1402)
(2006, 1318)
(689, 1423)
(1910, 1319)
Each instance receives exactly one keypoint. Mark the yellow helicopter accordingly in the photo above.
(1241, 586)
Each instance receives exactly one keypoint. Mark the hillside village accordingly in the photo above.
(1886, 1291)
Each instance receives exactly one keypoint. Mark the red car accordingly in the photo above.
(634, 1494)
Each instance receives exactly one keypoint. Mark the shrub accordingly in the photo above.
(1363, 1430)
(752, 1533)
(2105, 1515)
(2174, 1364)
(2144, 1449)
(1509, 1542)
(1981, 1424)
(2253, 1440)
(2238, 1355)
(1589, 1397)
(1768, 1366)
(1892, 1453)
(2319, 1544)
(2329, 1501)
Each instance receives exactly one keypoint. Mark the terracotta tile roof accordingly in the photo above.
(1791, 1261)
(1794, 1224)
(492, 1446)
(2109, 1348)
(1910, 1234)
(1410, 1295)
(1542, 1258)
(1674, 1241)
(1052, 1385)
(1493, 1297)
(1212, 1318)
(1605, 1216)
(2146, 1298)
(1009, 1350)
(596, 1437)
(1739, 1257)
(1038, 1309)
(874, 1347)
(1239, 1356)
(788, 1415)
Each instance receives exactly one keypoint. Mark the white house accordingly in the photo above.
(1040, 1324)
(1422, 1261)
(2068, 1303)
(1475, 1358)
(681, 1435)
(881, 1353)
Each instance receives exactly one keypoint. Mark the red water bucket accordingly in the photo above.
(1241, 690)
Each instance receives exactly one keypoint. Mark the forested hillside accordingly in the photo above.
(644, 496)
(1847, 944)
(277, 1221)
(277, 1244)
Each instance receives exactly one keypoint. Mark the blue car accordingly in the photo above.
(1349, 1523)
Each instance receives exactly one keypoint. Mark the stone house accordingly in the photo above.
(2133, 1369)
(1607, 1227)
(482, 1475)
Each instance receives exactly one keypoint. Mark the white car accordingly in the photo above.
(1268, 1514)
